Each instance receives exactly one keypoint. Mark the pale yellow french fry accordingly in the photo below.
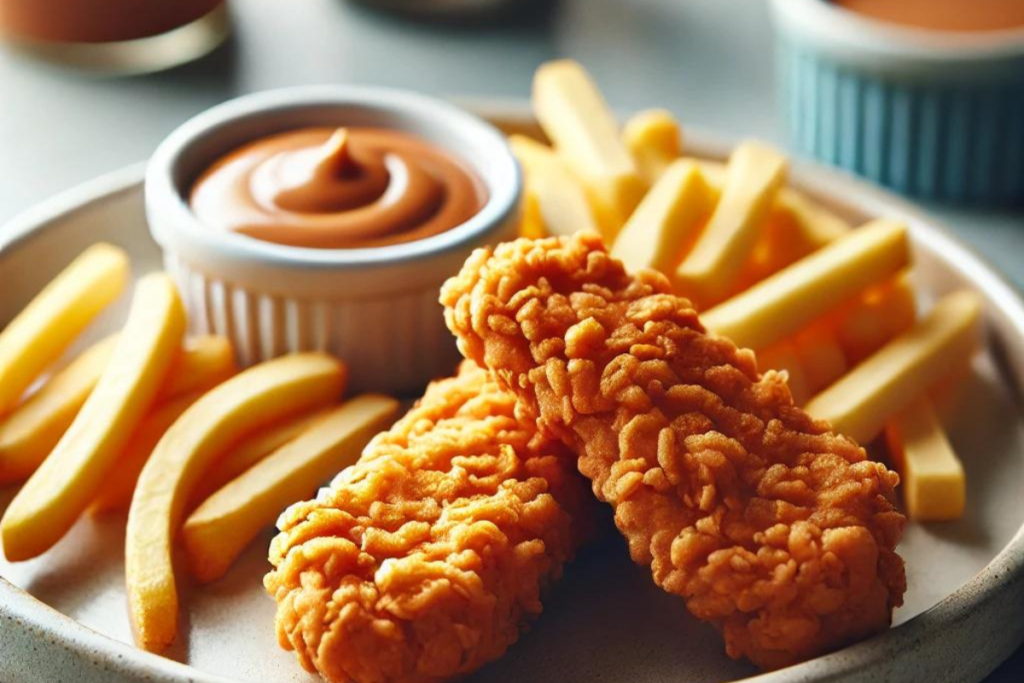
(217, 532)
(931, 476)
(667, 222)
(784, 357)
(47, 326)
(710, 270)
(821, 356)
(791, 298)
(655, 140)
(583, 129)
(33, 429)
(115, 495)
(30, 431)
(253, 449)
(861, 402)
(878, 315)
(68, 480)
(561, 200)
(238, 407)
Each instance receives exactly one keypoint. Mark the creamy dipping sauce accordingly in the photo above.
(943, 15)
(338, 188)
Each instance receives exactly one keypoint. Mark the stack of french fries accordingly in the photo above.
(831, 306)
(163, 427)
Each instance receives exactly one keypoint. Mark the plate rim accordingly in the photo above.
(980, 595)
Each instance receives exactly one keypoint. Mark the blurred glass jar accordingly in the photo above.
(115, 36)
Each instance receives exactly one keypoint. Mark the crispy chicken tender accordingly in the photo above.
(425, 559)
(770, 526)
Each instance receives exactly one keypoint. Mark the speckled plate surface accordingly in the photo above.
(63, 615)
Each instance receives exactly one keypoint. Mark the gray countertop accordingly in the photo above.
(710, 61)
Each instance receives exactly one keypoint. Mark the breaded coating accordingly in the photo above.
(426, 559)
(770, 526)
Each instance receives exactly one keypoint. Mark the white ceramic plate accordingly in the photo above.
(63, 615)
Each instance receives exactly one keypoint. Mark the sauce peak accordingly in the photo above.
(337, 188)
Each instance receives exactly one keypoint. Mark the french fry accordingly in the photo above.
(217, 532)
(816, 225)
(820, 355)
(879, 314)
(779, 245)
(807, 224)
(33, 429)
(860, 403)
(116, 493)
(667, 221)
(47, 326)
(655, 140)
(784, 357)
(238, 407)
(931, 476)
(583, 129)
(531, 225)
(783, 303)
(710, 270)
(30, 431)
(204, 362)
(67, 481)
(252, 450)
(562, 204)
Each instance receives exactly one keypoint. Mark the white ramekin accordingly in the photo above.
(376, 308)
(934, 114)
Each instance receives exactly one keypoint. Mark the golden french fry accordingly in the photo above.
(115, 495)
(67, 481)
(783, 303)
(861, 402)
(667, 221)
(30, 431)
(253, 449)
(879, 314)
(531, 225)
(217, 532)
(47, 326)
(655, 140)
(238, 407)
(821, 356)
(931, 476)
(560, 199)
(784, 357)
(204, 362)
(710, 270)
(33, 429)
(583, 129)
(816, 225)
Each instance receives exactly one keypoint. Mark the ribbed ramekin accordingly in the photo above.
(933, 114)
(376, 308)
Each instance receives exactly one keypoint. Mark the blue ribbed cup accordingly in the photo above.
(952, 133)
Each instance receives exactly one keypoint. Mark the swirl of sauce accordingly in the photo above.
(337, 188)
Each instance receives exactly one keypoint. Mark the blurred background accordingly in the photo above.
(68, 115)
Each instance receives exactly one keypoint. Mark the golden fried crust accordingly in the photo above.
(425, 559)
(769, 525)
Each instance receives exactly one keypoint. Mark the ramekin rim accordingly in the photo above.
(837, 26)
(162, 194)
